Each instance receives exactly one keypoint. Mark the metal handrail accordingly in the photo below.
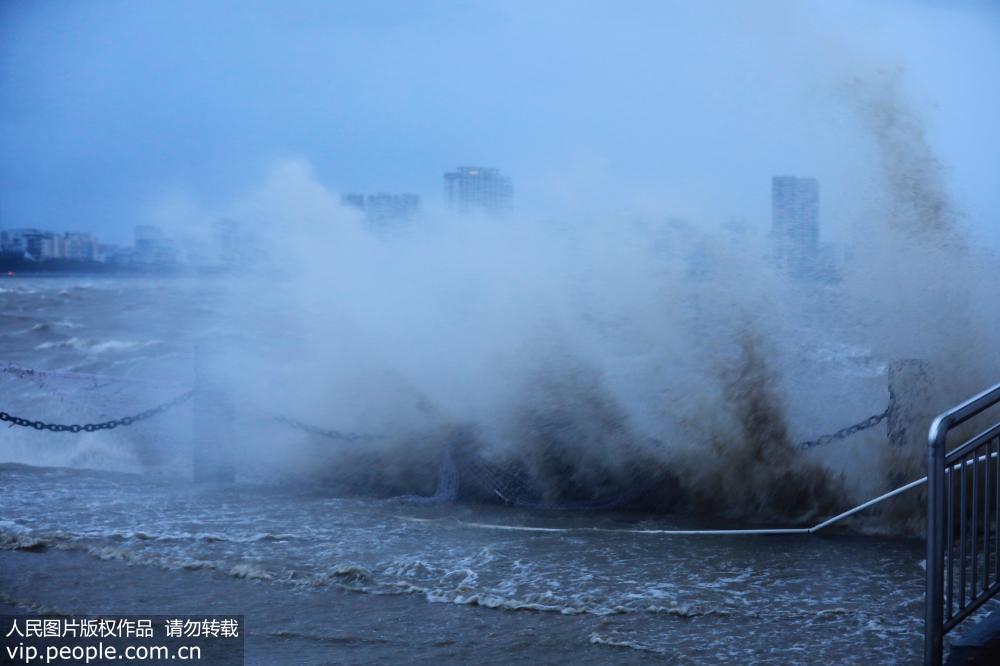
(940, 506)
(760, 531)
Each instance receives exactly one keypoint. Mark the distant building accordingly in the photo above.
(82, 247)
(354, 200)
(392, 207)
(151, 246)
(54, 247)
(478, 189)
(29, 243)
(73, 250)
(235, 246)
(112, 253)
(381, 209)
(795, 223)
(39, 245)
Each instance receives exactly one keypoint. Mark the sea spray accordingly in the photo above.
(752, 468)
(584, 357)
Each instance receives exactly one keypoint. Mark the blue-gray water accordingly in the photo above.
(609, 595)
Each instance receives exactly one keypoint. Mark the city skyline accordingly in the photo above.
(371, 118)
(794, 235)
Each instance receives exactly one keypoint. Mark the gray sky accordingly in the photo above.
(109, 108)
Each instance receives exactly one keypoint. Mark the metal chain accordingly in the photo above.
(326, 432)
(91, 427)
(843, 433)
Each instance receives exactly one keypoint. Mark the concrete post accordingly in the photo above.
(911, 409)
(214, 421)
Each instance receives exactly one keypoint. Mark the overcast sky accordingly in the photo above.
(110, 108)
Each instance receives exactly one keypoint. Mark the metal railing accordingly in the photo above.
(963, 504)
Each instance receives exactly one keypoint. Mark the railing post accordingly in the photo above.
(934, 595)
(212, 456)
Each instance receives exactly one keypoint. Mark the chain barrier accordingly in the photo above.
(330, 433)
(326, 432)
(843, 433)
(92, 427)
(29, 373)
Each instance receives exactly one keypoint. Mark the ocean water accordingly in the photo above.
(125, 496)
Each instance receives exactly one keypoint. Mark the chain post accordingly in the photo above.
(911, 411)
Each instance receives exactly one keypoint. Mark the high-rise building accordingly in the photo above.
(391, 207)
(478, 189)
(381, 209)
(795, 223)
